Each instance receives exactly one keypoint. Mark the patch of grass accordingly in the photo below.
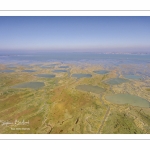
(10, 101)
(145, 117)
(35, 122)
(120, 123)
(148, 90)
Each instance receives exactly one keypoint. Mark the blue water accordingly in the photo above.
(116, 59)
(108, 61)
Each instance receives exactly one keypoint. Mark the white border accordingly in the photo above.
(74, 13)
(74, 5)
(75, 136)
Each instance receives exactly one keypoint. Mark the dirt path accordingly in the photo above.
(99, 131)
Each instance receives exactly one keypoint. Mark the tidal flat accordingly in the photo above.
(88, 101)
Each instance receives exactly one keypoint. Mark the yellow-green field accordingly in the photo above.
(60, 108)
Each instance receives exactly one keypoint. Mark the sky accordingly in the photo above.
(54, 33)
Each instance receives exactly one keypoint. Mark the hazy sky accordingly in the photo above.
(75, 33)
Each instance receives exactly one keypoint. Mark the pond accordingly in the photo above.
(59, 71)
(32, 85)
(80, 75)
(101, 71)
(28, 71)
(128, 99)
(64, 67)
(115, 81)
(47, 67)
(53, 64)
(7, 71)
(134, 77)
(46, 75)
(90, 88)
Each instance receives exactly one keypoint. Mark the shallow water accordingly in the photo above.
(46, 75)
(80, 75)
(90, 88)
(32, 85)
(115, 81)
(101, 71)
(128, 99)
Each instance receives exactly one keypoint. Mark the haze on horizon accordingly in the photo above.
(120, 34)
